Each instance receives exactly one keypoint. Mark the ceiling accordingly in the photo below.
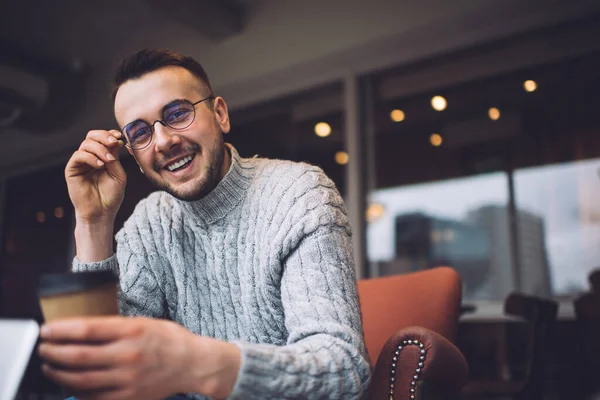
(94, 31)
(57, 56)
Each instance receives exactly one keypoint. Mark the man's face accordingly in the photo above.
(200, 147)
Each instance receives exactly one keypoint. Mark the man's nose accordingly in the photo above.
(164, 137)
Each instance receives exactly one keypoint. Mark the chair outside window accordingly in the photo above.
(539, 315)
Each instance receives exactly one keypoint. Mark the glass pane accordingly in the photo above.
(538, 123)
(461, 222)
(305, 127)
(563, 200)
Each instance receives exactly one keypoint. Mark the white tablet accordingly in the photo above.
(17, 340)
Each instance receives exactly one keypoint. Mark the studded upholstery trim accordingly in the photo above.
(416, 376)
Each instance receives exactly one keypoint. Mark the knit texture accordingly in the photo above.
(263, 261)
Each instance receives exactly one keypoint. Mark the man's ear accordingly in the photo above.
(222, 114)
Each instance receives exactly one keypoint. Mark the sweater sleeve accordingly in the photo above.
(324, 357)
(139, 292)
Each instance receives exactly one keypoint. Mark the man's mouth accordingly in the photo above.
(177, 165)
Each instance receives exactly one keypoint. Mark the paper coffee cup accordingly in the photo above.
(78, 294)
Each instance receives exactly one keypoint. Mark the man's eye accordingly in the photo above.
(140, 133)
(178, 115)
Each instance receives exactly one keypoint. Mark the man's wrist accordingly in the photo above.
(214, 367)
(94, 239)
(231, 357)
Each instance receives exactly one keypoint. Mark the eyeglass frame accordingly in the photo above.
(163, 123)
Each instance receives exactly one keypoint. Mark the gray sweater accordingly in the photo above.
(263, 261)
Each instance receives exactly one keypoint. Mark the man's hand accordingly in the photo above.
(95, 177)
(116, 358)
(96, 183)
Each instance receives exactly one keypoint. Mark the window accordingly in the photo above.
(559, 204)
(306, 127)
(499, 179)
(461, 222)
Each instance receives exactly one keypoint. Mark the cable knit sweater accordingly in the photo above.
(263, 261)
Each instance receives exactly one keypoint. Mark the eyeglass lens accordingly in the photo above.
(177, 115)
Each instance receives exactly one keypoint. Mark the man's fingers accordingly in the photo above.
(113, 140)
(117, 134)
(103, 146)
(118, 394)
(84, 356)
(116, 170)
(107, 138)
(91, 329)
(81, 159)
(84, 381)
(99, 150)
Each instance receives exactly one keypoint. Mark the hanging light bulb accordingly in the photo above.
(436, 139)
(323, 129)
(439, 103)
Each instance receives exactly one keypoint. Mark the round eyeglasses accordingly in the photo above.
(177, 115)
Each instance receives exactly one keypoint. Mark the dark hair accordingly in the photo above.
(148, 60)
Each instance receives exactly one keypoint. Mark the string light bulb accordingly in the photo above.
(436, 139)
(494, 114)
(341, 157)
(322, 129)
(530, 86)
(439, 103)
(397, 115)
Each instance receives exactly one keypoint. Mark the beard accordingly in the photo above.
(201, 186)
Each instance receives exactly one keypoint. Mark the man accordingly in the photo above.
(240, 271)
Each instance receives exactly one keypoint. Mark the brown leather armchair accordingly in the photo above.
(410, 323)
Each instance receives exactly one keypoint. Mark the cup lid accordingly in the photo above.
(53, 284)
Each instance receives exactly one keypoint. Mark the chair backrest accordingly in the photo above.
(540, 314)
(587, 314)
(429, 298)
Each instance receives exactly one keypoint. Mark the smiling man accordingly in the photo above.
(238, 272)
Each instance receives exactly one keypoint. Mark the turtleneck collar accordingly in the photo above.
(226, 195)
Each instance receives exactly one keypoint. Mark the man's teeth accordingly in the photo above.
(179, 163)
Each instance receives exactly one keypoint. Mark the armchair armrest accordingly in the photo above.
(417, 363)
